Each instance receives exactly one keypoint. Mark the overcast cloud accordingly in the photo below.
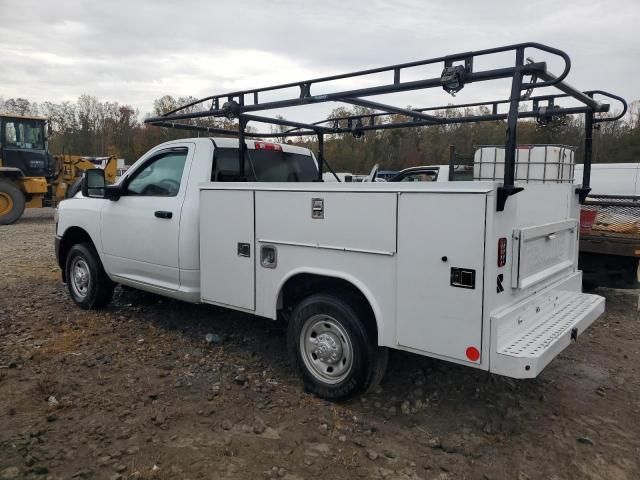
(135, 51)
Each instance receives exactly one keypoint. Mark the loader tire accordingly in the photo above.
(12, 202)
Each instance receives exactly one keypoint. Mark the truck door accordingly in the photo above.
(140, 230)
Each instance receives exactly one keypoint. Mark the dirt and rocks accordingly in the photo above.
(154, 388)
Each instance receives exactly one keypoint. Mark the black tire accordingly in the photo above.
(12, 202)
(97, 290)
(343, 322)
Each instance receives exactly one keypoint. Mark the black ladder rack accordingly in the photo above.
(458, 70)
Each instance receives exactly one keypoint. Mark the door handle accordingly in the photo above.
(163, 214)
(244, 249)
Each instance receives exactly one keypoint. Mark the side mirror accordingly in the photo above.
(93, 184)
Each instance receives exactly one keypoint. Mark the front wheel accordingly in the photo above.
(89, 286)
(12, 202)
(335, 353)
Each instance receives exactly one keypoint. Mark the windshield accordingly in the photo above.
(20, 133)
(265, 166)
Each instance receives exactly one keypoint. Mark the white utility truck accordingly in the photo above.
(479, 273)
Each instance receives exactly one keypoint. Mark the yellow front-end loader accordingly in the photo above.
(29, 176)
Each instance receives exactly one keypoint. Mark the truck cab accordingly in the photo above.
(158, 198)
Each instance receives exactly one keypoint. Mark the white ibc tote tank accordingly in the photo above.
(534, 163)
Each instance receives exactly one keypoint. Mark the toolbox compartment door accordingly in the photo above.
(227, 249)
(542, 251)
(440, 273)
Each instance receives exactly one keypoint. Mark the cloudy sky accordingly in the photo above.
(137, 50)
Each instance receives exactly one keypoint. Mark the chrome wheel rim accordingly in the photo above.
(80, 277)
(326, 349)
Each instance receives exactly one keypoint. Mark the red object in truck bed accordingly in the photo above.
(587, 219)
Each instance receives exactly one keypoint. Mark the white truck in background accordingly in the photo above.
(612, 178)
(356, 268)
(610, 226)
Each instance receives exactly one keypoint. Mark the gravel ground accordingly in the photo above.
(135, 391)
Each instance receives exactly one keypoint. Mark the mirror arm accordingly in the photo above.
(112, 192)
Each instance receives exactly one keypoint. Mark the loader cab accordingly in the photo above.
(23, 146)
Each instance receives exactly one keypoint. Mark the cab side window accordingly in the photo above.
(161, 176)
(11, 136)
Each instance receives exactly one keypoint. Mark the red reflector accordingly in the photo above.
(274, 147)
(502, 252)
(473, 354)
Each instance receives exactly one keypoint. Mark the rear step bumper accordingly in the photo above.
(525, 338)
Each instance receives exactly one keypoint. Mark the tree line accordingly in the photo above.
(92, 127)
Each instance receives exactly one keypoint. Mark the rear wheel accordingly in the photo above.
(89, 286)
(335, 353)
(12, 202)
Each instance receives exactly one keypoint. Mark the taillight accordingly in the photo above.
(274, 147)
(502, 252)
